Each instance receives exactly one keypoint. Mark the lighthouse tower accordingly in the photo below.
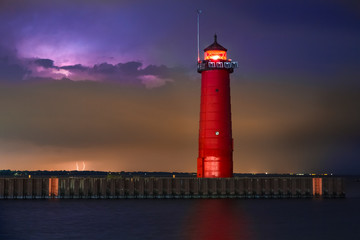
(215, 158)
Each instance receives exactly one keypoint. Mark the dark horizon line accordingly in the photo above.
(22, 173)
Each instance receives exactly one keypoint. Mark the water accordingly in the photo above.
(208, 219)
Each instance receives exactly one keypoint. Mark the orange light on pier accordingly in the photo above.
(53, 187)
(317, 186)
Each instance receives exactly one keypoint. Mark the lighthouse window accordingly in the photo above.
(216, 90)
(217, 133)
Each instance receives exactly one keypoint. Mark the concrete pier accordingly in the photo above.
(151, 187)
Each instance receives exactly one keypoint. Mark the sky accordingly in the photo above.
(113, 84)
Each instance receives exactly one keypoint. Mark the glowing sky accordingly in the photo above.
(114, 84)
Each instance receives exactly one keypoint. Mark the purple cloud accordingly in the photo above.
(76, 67)
(14, 69)
(11, 68)
(46, 63)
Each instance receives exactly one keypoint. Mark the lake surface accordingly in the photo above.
(200, 219)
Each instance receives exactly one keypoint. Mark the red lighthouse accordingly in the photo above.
(215, 158)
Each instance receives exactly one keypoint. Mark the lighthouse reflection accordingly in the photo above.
(216, 219)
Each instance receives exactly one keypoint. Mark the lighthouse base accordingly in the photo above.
(214, 167)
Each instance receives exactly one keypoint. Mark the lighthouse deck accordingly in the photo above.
(161, 187)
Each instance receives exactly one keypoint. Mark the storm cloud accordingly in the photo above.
(11, 68)
(46, 63)
(14, 69)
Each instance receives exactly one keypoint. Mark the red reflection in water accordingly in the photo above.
(216, 219)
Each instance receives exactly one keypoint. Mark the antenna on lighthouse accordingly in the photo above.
(198, 34)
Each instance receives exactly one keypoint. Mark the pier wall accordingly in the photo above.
(150, 187)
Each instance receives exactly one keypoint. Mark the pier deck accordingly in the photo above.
(160, 187)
